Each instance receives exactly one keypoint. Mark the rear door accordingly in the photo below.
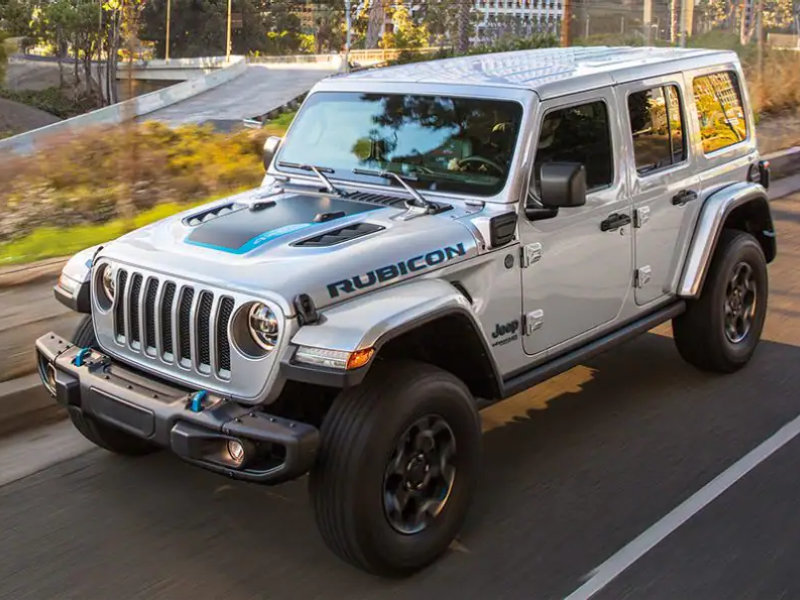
(664, 189)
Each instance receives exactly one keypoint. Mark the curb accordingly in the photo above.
(24, 403)
(784, 163)
(49, 268)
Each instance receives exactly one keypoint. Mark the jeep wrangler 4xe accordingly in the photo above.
(427, 238)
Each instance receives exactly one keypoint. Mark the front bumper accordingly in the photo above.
(277, 449)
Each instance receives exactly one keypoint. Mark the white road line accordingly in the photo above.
(634, 550)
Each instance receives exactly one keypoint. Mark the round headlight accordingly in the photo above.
(108, 282)
(263, 326)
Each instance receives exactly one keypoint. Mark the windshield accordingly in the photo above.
(443, 143)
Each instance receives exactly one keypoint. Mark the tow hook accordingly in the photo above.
(80, 357)
(196, 403)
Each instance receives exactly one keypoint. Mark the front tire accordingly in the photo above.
(100, 434)
(720, 330)
(397, 467)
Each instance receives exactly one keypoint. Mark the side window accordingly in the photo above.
(578, 134)
(657, 128)
(719, 110)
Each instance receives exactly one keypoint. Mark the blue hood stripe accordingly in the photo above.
(255, 242)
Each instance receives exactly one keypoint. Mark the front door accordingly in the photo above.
(579, 262)
(664, 191)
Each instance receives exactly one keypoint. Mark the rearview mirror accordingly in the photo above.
(270, 149)
(563, 184)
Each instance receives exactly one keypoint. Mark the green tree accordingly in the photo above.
(406, 33)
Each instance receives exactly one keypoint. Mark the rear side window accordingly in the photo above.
(578, 134)
(719, 110)
(657, 128)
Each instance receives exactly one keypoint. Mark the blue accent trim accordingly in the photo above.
(196, 404)
(78, 360)
(255, 242)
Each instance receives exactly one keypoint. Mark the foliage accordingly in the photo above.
(142, 166)
(406, 33)
(57, 102)
(15, 16)
(47, 242)
(3, 57)
(279, 125)
(198, 27)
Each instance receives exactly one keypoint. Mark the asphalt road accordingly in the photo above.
(260, 89)
(573, 470)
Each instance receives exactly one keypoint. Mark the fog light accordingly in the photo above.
(236, 452)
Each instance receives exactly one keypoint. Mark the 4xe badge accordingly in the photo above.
(505, 333)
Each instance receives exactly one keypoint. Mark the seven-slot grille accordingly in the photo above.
(174, 322)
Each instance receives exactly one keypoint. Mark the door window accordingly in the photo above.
(578, 134)
(720, 110)
(657, 128)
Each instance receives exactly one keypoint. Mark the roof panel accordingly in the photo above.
(542, 70)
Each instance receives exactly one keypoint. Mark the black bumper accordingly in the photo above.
(279, 449)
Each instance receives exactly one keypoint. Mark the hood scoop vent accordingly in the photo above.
(207, 215)
(375, 198)
(339, 236)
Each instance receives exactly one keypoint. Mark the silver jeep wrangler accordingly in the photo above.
(428, 238)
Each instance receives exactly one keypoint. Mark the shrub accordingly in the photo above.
(103, 174)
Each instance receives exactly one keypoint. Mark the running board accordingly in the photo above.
(518, 383)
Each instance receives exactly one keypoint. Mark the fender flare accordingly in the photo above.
(715, 212)
(372, 320)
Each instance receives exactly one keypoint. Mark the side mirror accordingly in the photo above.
(561, 185)
(270, 149)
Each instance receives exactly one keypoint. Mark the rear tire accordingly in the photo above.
(407, 438)
(101, 434)
(721, 329)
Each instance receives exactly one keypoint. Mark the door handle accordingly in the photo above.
(683, 197)
(615, 221)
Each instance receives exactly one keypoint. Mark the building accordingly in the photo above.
(523, 16)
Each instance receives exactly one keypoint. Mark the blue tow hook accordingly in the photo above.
(196, 404)
(81, 356)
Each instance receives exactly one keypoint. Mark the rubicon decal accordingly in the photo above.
(393, 271)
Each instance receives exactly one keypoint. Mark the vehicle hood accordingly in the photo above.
(276, 245)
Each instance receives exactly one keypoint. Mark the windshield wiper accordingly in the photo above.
(419, 199)
(318, 171)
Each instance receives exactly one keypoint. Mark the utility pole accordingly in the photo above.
(684, 19)
(169, 17)
(586, 28)
(228, 36)
(760, 38)
(647, 21)
(348, 20)
(566, 24)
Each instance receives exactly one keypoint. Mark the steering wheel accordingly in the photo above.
(483, 161)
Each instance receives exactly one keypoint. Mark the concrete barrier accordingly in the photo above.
(27, 143)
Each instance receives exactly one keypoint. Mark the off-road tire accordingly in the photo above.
(700, 332)
(101, 434)
(359, 435)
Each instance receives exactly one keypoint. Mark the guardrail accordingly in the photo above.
(27, 143)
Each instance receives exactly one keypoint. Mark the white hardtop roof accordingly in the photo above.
(549, 71)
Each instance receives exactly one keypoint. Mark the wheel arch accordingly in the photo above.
(429, 320)
(742, 206)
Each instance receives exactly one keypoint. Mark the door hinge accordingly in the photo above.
(530, 253)
(642, 276)
(533, 321)
(641, 216)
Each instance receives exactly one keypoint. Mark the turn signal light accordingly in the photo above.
(359, 358)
